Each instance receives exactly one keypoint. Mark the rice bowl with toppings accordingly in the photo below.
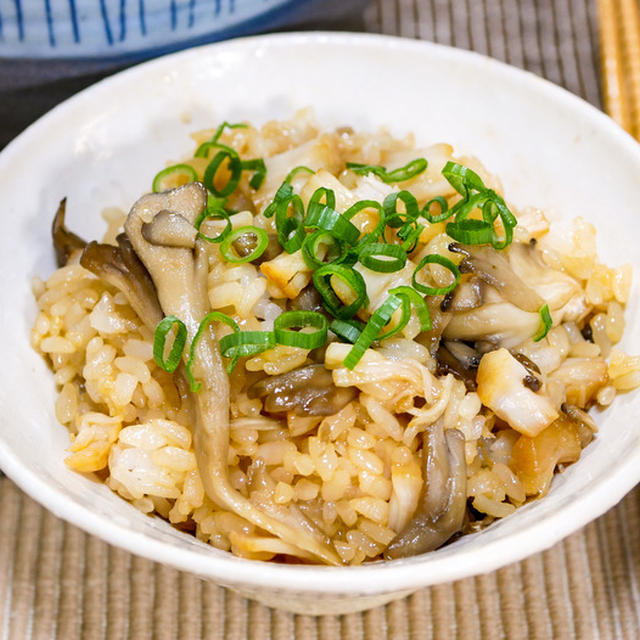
(104, 148)
(334, 347)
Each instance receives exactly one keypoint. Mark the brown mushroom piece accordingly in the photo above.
(494, 269)
(441, 509)
(308, 391)
(120, 267)
(65, 242)
(459, 359)
(180, 276)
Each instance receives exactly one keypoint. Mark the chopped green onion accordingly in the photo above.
(290, 228)
(285, 322)
(159, 342)
(226, 248)
(246, 343)
(545, 323)
(444, 210)
(419, 304)
(260, 171)
(471, 231)
(234, 166)
(434, 258)
(329, 198)
(410, 170)
(351, 278)
(284, 192)
(371, 332)
(170, 172)
(410, 235)
(203, 150)
(353, 210)
(462, 179)
(295, 171)
(395, 218)
(328, 219)
(392, 257)
(348, 330)
(213, 213)
(335, 249)
(213, 316)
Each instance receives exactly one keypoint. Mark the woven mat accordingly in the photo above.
(57, 582)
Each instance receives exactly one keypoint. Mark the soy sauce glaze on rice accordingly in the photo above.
(330, 347)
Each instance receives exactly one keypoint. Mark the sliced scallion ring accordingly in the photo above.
(410, 170)
(382, 257)
(290, 228)
(545, 323)
(353, 210)
(284, 192)
(462, 179)
(174, 171)
(163, 328)
(379, 318)
(395, 218)
(295, 171)
(347, 330)
(226, 247)
(435, 258)
(213, 316)
(259, 169)
(314, 242)
(471, 231)
(322, 192)
(246, 343)
(350, 277)
(328, 219)
(418, 303)
(234, 166)
(444, 214)
(284, 324)
(214, 213)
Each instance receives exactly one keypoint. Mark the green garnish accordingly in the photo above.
(285, 323)
(410, 170)
(213, 213)
(545, 323)
(234, 165)
(382, 257)
(348, 330)
(259, 169)
(334, 249)
(246, 343)
(295, 171)
(290, 228)
(444, 210)
(326, 218)
(165, 325)
(435, 258)
(170, 172)
(348, 276)
(476, 195)
(227, 250)
(379, 318)
(213, 316)
(395, 218)
(418, 303)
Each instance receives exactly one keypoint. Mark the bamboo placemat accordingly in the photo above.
(58, 582)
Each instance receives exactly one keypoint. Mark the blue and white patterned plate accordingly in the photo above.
(128, 28)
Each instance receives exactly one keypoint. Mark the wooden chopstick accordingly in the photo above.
(619, 22)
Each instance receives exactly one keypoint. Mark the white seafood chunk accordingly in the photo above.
(501, 388)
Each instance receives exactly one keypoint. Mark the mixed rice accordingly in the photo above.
(367, 474)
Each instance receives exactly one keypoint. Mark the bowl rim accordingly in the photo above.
(373, 578)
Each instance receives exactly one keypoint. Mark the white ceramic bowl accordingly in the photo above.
(102, 148)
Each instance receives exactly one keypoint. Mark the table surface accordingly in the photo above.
(58, 582)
